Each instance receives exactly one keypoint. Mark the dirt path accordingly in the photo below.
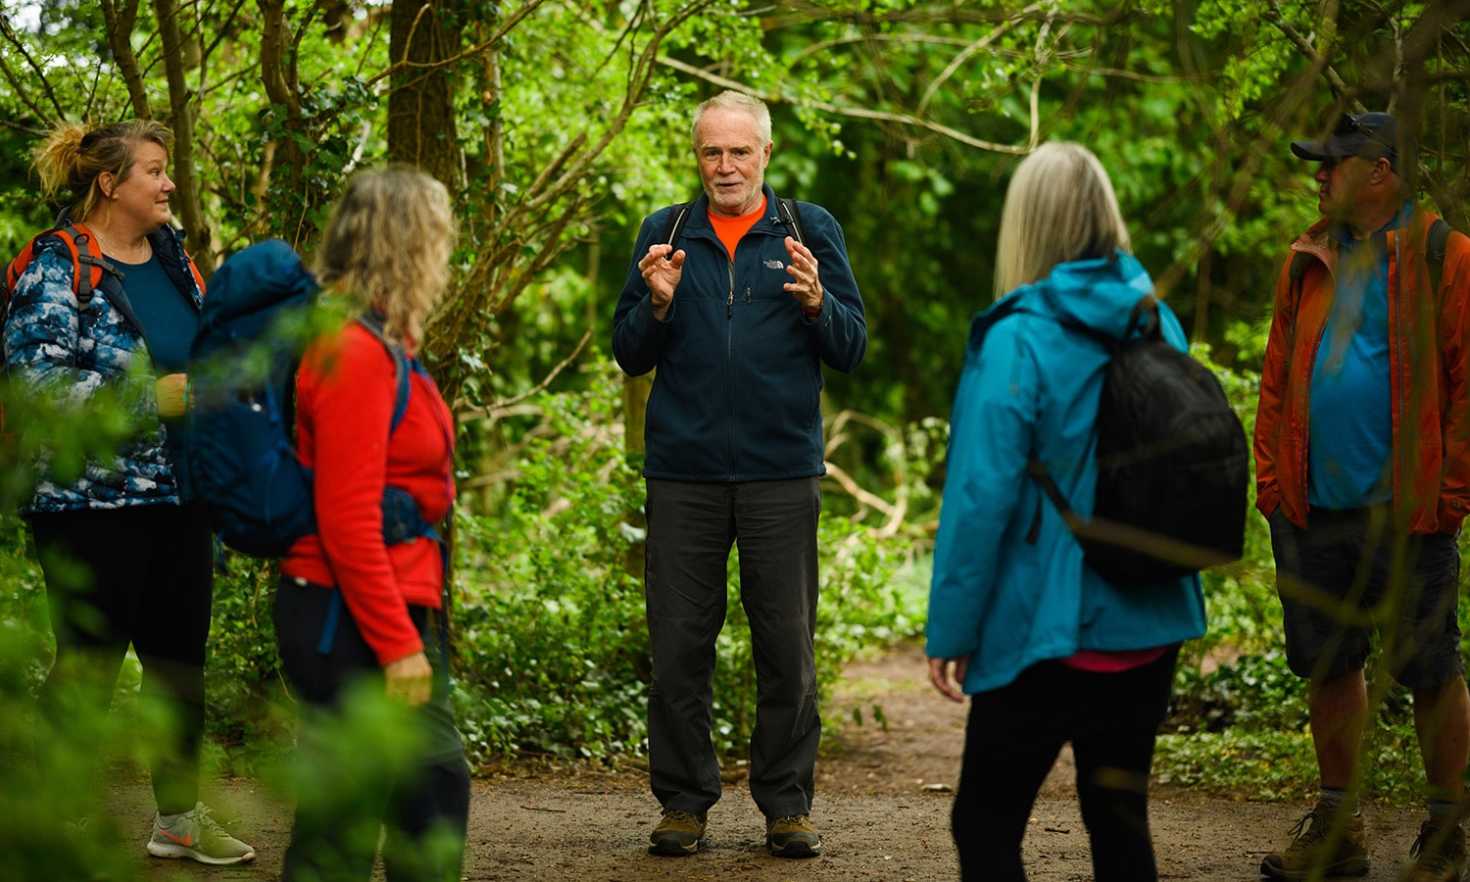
(877, 817)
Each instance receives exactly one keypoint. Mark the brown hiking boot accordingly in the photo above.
(1439, 853)
(793, 836)
(1317, 850)
(678, 833)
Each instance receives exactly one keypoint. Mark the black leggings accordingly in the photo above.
(141, 575)
(1011, 741)
(338, 816)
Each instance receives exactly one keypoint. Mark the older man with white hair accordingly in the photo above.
(736, 299)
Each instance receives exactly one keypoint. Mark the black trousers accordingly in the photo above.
(141, 575)
(691, 527)
(1012, 740)
(425, 804)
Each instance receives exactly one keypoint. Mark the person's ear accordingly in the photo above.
(107, 184)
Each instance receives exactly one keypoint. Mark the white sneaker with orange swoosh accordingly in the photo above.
(195, 835)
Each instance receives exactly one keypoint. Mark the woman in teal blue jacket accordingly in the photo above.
(1048, 651)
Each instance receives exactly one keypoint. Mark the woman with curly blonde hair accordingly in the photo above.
(108, 288)
(387, 246)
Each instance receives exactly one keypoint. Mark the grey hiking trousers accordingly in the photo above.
(691, 527)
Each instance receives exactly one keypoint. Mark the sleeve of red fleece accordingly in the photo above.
(351, 409)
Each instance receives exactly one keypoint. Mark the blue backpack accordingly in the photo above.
(235, 453)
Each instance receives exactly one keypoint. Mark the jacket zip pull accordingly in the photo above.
(747, 294)
(730, 297)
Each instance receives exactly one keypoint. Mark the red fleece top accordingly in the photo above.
(345, 391)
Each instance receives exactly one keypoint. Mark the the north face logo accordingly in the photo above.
(774, 264)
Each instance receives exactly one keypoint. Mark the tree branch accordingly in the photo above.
(186, 175)
(20, 92)
(854, 112)
(1334, 79)
(121, 16)
(404, 63)
(969, 52)
(273, 56)
(497, 409)
(14, 39)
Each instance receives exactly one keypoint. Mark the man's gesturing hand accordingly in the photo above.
(805, 286)
(661, 276)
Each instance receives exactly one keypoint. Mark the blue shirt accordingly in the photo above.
(168, 317)
(1351, 432)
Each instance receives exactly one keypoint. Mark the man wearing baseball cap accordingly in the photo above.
(1362, 449)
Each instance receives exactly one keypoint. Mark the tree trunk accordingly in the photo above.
(121, 16)
(421, 127)
(185, 175)
(635, 407)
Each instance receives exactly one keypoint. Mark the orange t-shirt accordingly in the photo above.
(732, 229)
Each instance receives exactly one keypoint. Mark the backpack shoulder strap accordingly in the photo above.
(1434, 253)
(790, 215)
(987, 319)
(401, 370)
(1300, 262)
(679, 218)
(88, 266)
(176, 262)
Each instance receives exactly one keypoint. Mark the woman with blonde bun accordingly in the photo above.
(353, 609)
(109, 290)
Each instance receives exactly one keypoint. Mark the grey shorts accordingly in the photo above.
(1345, 576)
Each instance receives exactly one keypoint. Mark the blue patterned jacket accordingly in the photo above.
(54, 346)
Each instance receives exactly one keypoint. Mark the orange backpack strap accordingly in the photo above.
(88, 264)
(194, 271)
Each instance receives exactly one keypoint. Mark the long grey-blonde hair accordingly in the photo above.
(1060, 206)
(388, 245)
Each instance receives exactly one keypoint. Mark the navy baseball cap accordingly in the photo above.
(1365, 135)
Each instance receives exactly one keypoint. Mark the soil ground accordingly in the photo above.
(883, 799)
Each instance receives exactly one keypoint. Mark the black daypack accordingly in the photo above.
(1172, 467)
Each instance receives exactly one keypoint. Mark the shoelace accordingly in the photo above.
(794, 820)
(1437, 858)
(1303, 831)
(206, 823)
(678, 815)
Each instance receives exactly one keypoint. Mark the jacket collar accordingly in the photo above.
(1321, 240)
(769, 223)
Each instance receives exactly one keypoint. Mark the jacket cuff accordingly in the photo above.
(936, 648)
(397, 652)
(823, 316)
(1450, 517)
(652, 321)
(1268, 499)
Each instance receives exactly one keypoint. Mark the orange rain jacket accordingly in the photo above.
(1429, 357)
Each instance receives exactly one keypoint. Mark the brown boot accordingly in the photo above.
(678, 833)
(793, 836)
(1439, 853)
(1316, 849)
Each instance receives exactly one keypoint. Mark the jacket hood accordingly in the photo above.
(1099, 293)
